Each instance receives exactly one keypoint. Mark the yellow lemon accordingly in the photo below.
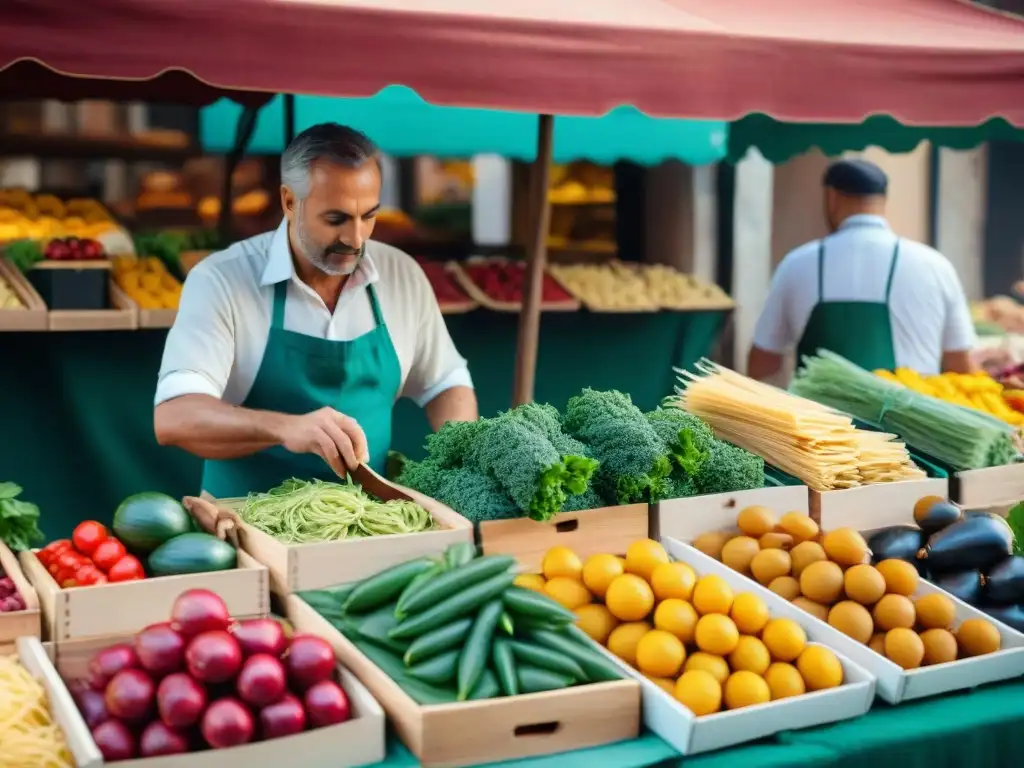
(623, 640)
(819, 668)
(667, 684)
(532, 581)
(716, 665)
(699, 692)
(597, 621)
(749, 613)
(745, 689)
(712, 594)
(678, 617)
(629, 598)
(673, 580)
(660, 654)
(750, 654)
(784, 681)
(599, 571)
(567, 592)
(784, 638)
(561, 561)
(643, 556)
(716, 634)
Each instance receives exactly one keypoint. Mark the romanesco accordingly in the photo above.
(730, 469)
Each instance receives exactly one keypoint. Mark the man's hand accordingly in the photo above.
(336, 438)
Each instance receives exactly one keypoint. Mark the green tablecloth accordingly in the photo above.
(76, 409)
(983, 728)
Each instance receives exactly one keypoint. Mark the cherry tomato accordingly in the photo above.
(128, 568)
(87, 574)
(88, 535)
(107, 553)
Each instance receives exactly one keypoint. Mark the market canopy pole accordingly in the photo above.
(536, 261)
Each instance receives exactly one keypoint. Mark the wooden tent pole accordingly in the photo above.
(536, 262)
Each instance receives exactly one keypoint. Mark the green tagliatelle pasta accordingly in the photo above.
(298, 512)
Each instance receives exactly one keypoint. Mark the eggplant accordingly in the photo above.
(900, 542)
(975, 543)
(1004, 582)
(936, 515)
(968, 586)
(1011, 615)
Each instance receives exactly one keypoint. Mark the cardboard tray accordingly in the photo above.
(476, 294)
(470, 733)
(834, 509)
(590, 532)
(301, 567)
(26, 623)
(145, 318)
(34, 316)
(991, 487)
(677, 517)
(359, 741)
(894, 684)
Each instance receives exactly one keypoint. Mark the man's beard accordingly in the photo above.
(337, 259)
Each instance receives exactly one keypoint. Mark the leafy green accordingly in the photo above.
(19, 520)
(449, 446)
(1016, 520)
(729, 469)
(472, 494)
(24, 254)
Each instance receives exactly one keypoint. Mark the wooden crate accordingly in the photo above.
(103, 609)
(685, 519)
(146, 318)
(474, 291)
(991, 487)
(359, 741)
(33, 317)
(591, 532)
(884, 501)
(301, 567)
(26, 623)
(474, 732)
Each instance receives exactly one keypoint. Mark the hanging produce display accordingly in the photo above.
(970, 390)
(820, 447)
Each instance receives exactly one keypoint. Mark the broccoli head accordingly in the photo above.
(448, 447)
(687, 438)
(730, 469)
(472, 494)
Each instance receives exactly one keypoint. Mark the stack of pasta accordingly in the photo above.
(29, 737)
(802, 438)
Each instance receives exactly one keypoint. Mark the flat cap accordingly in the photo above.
(856, 177)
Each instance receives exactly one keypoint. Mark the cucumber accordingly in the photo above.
(440, 670)
(523, 627)
(486, 687)
(415, 585)
(323, 602)
(546, 658)
(458, 555)
(537, 680)
(477, 649)
(392, 666)
(443, 639)
(386, 585)
(455, 607)
(536, 606)
(504, 666)
(506, 623)
(192, 553)
(456, 580)
(146, 520)
(597, 668)
(376, 626)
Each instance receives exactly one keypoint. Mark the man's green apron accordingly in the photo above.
(300, 374)
(860, 331)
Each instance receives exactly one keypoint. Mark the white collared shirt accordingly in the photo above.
(927, 305)
(218, 339)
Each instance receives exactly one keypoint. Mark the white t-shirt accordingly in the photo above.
(927, 305)
(218, 339)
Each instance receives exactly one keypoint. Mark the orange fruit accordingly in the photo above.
(677, 617)
(712, 594)
(660, 654)
(699, 692)
(623, 640)
(629, 598)
(599, 571)
(532, 581)
(673, 580)
(561, 561)
(716, 665)
(643, 556)
(716, 634)
(597, 621)
(567, 592)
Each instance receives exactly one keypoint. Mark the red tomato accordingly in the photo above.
(108, 553)
(50, 552)
(87, 536)
(128, 568)
(88, 574)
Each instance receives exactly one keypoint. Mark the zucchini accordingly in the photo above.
(442, 639)
(537, 680)
(385, 586)
(455, 607)
(392, 666)
(597, 668)
(546, 658)
(192, 553)
(486, 687)
(415, 586)
(536, 606)
(505, 666)
(376, 626)
(456, 580)
(440, 670)
(506, 623)
(458, 555)
(477, 650)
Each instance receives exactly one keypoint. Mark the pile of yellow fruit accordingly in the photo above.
(702, 644)
(8, 298)
(45, 217)
(147, 282)
(971, 390)
(616, 285)
(830, 576)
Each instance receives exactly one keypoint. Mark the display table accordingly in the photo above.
(983, 728)
(76, 409)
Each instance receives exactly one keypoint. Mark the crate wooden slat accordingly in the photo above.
(685, 519)
(26, 623)
(883, 501)
(992, 487)
(34, 316)
(477, 294)
(474, 732)
(147, 318)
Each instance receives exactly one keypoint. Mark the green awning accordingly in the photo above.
(403, 124)
(779, 141)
